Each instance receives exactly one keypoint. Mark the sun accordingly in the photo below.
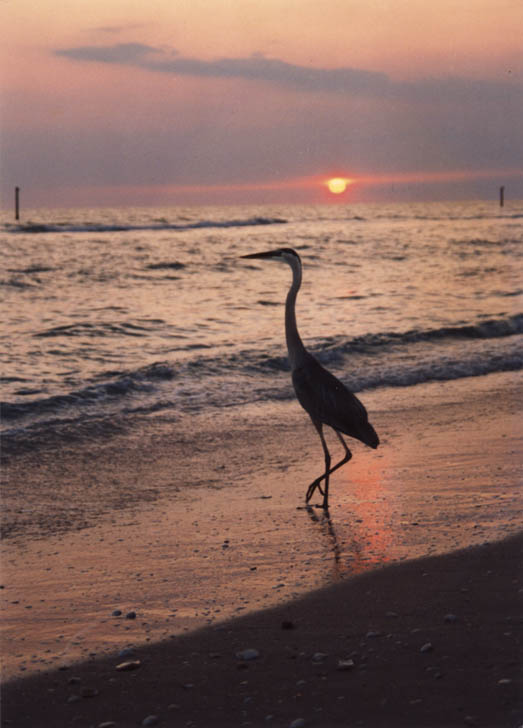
(337, 185)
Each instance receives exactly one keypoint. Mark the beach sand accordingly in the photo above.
(198, 528)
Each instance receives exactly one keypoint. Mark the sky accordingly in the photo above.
(127, 102)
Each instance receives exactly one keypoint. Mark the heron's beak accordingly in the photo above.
(266, 254)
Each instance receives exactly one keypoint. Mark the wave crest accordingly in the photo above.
(90, 227)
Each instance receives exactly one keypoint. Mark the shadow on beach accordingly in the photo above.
(431, 642)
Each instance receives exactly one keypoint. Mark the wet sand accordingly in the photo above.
(193, 526)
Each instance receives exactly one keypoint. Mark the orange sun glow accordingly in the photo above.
(337, 185)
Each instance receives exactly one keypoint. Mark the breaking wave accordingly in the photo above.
(374, 360)
(163, 225)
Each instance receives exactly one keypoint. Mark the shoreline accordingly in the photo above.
(220, 532)
(158, 458)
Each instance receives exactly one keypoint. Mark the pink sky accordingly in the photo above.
(231, 101)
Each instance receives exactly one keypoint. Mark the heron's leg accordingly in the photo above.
(328, 469)
(316, 484)
(348, 453)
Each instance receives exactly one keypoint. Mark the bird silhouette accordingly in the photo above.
(320, 393)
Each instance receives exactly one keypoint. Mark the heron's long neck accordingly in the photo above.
(294, 343)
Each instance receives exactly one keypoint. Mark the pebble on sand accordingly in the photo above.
(427, 647)
(249, 654)
(372, 634)
(150, 720)
(128, 665)
(298, 723)
(344, 665)
(319, 656)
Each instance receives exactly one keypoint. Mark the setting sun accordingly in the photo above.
(337, 185)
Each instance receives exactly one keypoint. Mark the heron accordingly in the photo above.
(320, 393)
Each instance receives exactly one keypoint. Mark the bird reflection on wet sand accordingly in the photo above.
(329, 531)
(348, 542)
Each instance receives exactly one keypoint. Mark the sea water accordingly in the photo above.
(110, 315)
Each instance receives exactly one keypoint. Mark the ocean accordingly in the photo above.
(115, 316)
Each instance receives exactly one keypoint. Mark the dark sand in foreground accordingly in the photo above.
(413, 663)
(193, 542)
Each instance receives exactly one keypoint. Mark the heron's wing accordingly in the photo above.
(328, 400)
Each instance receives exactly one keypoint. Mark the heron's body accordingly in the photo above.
(320, 393)
(327, 400)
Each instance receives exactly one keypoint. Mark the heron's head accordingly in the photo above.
(288, 255)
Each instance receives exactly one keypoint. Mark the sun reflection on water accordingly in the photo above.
(360, 532)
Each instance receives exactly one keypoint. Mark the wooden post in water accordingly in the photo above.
(17, 203)
(501, 196)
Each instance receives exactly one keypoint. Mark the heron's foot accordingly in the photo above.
(312, 487)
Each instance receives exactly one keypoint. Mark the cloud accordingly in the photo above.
(127, 54)
(254, 68)
(258, 67)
